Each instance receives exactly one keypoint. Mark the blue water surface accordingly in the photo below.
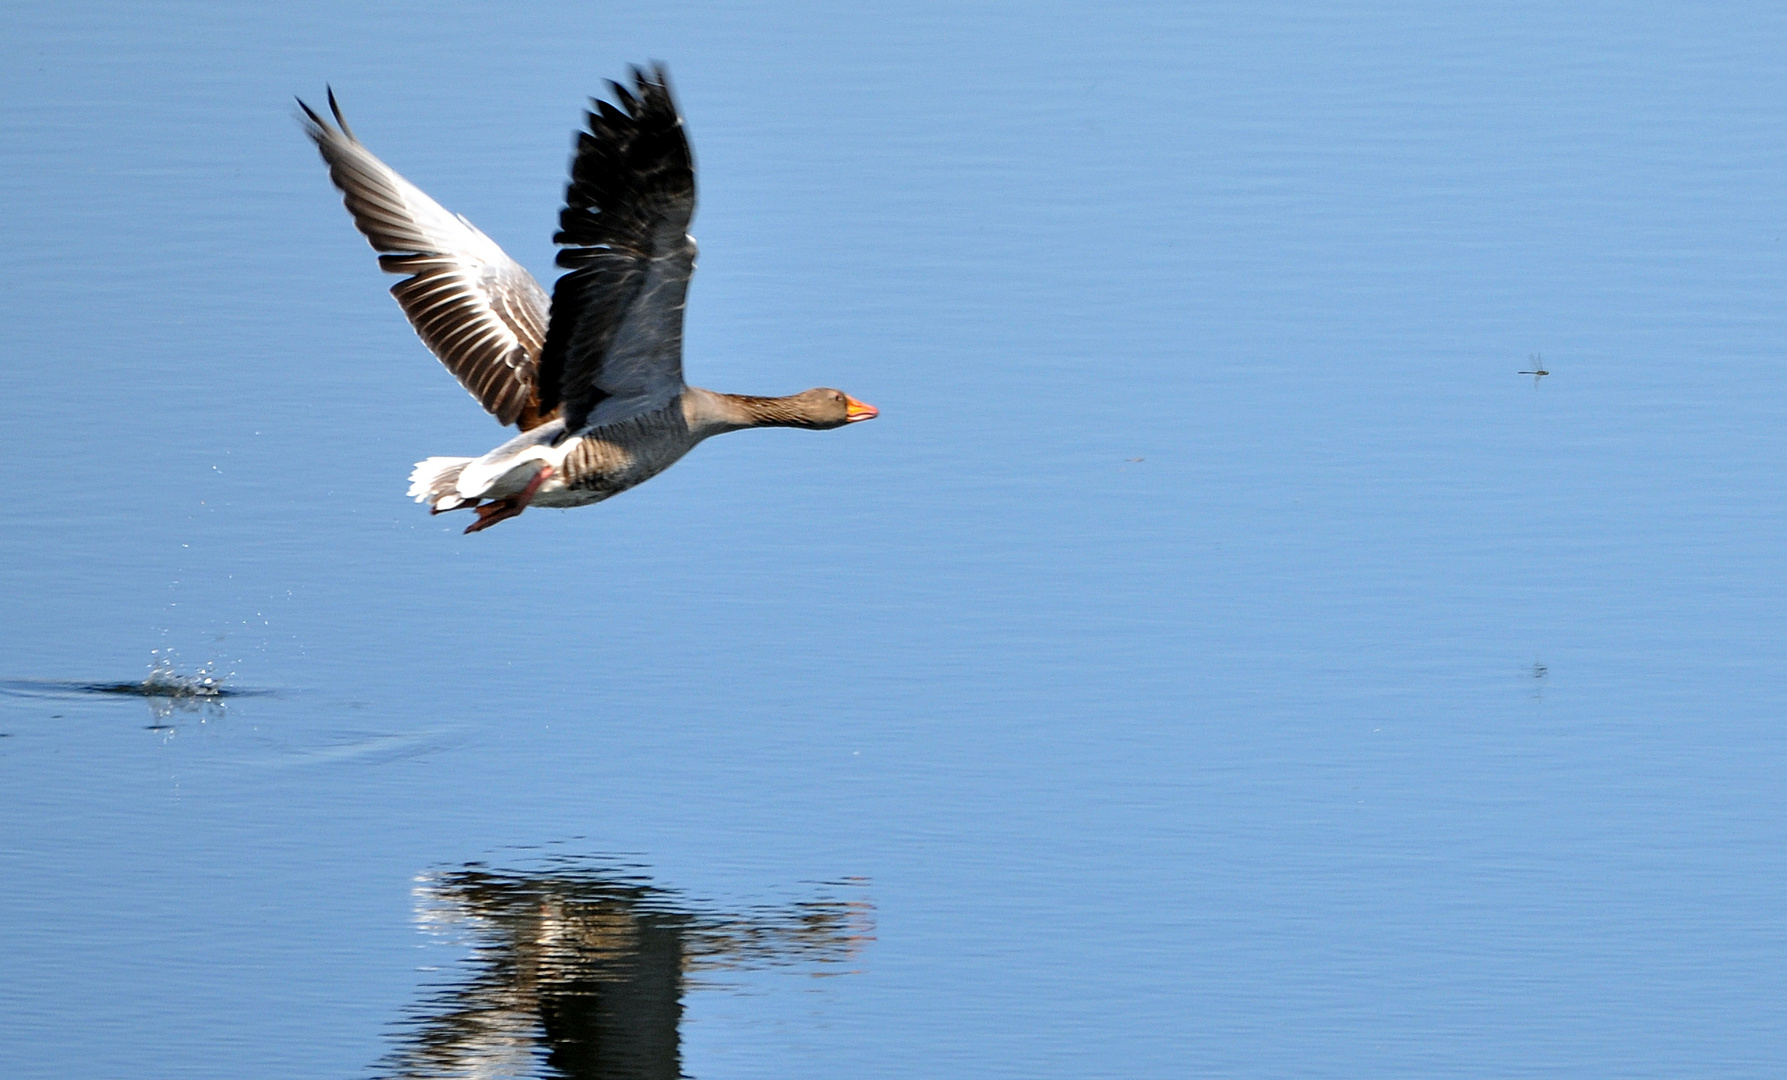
(1216, 659)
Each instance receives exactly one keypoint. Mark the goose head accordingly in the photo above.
(822, 408)
(818, 409)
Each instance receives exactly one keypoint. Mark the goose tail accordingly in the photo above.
(436, 482)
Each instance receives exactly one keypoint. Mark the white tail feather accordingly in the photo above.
(435, 481)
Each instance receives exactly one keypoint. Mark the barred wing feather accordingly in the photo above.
(476, 309)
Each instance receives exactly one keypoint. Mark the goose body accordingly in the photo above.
(592, 376)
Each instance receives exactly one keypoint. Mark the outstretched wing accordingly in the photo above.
(616, 333)
(473, 306)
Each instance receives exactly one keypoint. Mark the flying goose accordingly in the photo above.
(593, 377)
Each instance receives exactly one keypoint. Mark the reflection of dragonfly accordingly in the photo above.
(1538, 372)
(578, 970)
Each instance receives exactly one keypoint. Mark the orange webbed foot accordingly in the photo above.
(503, 509)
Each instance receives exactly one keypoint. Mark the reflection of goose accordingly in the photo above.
(582, 972)
(593, 377)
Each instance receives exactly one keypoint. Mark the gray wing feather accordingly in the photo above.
(614, 344)
(476, 309)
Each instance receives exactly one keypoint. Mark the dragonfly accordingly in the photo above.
(1538, 372)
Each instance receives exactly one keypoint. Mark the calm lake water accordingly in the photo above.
(1216, 660)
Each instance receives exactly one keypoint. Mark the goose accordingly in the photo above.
(591, 377)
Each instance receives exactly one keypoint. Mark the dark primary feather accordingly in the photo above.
(473, 306)
(616, 325)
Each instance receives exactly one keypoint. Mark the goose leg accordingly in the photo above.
(492, 512)
(503, 509)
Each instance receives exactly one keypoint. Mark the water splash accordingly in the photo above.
(165, 680)
(166, 688)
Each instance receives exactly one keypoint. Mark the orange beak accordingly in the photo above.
(856, 410)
